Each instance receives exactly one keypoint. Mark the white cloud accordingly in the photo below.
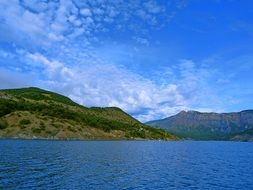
(21, 22)
(45, 23)
(98, 11)
(107, 85)
(35, 5)
(141, 41)
(52, 67)
(94, 82)
(153, 7)
(85, 12)
(52, 36)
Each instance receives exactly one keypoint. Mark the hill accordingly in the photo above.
(36, 113)
(209, 126)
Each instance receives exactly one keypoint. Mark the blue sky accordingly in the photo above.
(151, 58)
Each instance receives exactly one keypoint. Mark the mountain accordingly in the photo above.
(36, 113)
(209, 126)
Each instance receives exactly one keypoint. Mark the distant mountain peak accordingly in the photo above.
(188, 111)
(208, 125)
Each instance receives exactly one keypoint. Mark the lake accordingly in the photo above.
(39, 164)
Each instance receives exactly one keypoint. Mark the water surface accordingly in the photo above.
(36, 164)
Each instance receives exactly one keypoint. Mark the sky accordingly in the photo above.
(151, 58)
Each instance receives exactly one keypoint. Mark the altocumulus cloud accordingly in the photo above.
(54, 21)
(54, 43)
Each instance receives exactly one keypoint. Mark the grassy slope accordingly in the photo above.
(36, 113)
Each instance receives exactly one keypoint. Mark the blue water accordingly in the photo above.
(34, 164)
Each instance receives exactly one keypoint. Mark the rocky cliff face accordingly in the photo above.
(199, 125)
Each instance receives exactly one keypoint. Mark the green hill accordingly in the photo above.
(36, 113)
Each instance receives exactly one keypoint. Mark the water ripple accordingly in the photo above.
(128, 165)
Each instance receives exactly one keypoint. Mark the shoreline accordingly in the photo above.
(159, 140)
(73, 139)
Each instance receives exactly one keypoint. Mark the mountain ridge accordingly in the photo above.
(208, 125)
